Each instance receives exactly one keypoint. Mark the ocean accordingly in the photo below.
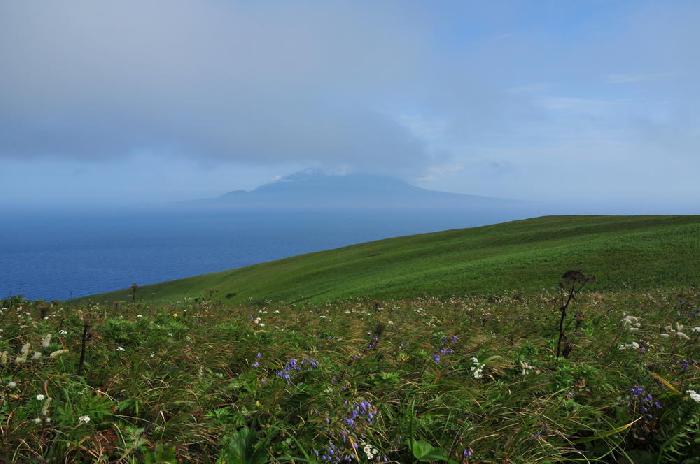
(63, 255)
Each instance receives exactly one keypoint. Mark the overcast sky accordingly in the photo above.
(588, 102)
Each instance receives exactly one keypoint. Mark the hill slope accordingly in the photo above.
(622, 251)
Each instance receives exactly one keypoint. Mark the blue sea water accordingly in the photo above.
(62, 255)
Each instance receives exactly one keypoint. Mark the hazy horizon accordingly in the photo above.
(588, 104)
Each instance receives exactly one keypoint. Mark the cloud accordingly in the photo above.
(216, 81)
(634, 78)
(495, 98)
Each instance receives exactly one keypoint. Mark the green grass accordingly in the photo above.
(204, 381)
(345, 353)
(622, 251)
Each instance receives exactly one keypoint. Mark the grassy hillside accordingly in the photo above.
(470, 379)
(622, 251)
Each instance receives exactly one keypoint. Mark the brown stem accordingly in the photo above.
(82, 348)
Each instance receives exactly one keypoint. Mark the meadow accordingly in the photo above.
(622, 251)
(467, 377)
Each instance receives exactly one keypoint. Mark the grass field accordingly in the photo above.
(622, 251)
(434, 348)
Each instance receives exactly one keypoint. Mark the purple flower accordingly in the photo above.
(436, 358)
(467, 453)
(637, 390)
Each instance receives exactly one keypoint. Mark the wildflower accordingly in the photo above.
(466, 454)
(40, 397)
(46, 340)
(11, 384)
(628, 346)
(477, 368)
(63, 332)
(22, 357)
(57, 353)
(83, 420)
(436, 358)
(257, 321)
(525, 368)
(637, 390)
(369, 450)
(631, 323)
(47, 420)
(139, 315)
(695, 329)
(36, 355)
(37, 420)
(120, 348)
(695, 396)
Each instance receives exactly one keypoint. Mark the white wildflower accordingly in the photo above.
(631, 323)
(139, 315)
(477, 368)
(11, 384)
(120, 348)
(695, 329)
(682, 335)
(629, 346)
(525, 368)
(63, 332)
(695, 396)
(369, 450)
(37, 420)
(36, 355)
(83, 420)
(664, 335)
(40, 397)
(257, 321)
(46, 340)
(22, 357)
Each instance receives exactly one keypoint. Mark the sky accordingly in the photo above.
(146, 101)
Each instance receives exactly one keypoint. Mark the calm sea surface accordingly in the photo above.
(62, 255)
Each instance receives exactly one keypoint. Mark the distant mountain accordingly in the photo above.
(316, 190)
